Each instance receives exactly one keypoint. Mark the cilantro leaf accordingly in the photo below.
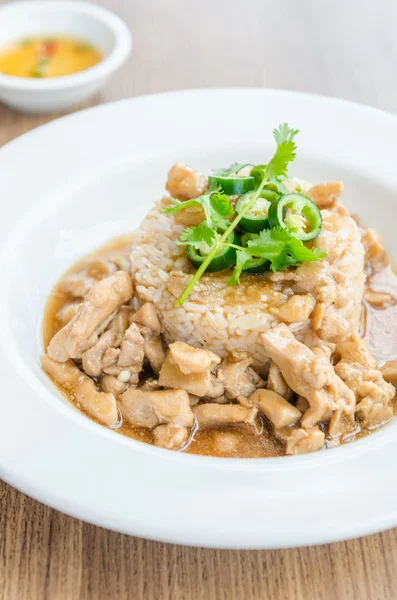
(285, 152)
(279, 247)
(177, 205)
(242, 257)
(195, 236)
(232, 170)
(216, 207)
(221, 204)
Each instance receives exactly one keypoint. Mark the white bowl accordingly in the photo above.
(91, 23)
(60, 199)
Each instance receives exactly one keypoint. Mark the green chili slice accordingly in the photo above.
(231, 185)
(256, 219)
(223, 260)
(298, 214)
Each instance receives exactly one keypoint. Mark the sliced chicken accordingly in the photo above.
(359, 371)
(153, 348)
(132, 349)
(119, 324)
(171, 437)
(67, 312)
(147, 316)
(126, 362)
(92, 358)
(113, 385)
(223, 414)
(311, 375)
(280, 412)
(389, 372)
(148, 409)
(102, 406)
(276, 382)
(375, 255)
(95, 313)
(326, 194)
(184, 182)
(76, 285)
(150, 385)
(66, 374)
(302, 441)
(192, 360)
(296, 309)
(239, 379)
(201, 382)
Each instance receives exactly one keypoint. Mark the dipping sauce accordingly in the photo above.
(48, 56)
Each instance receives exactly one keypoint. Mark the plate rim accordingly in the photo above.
(234, 465)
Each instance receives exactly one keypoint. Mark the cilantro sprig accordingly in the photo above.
(276, 245)
(217, 208)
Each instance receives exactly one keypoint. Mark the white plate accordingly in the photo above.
(67, 187)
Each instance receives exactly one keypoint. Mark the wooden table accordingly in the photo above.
(346, 49)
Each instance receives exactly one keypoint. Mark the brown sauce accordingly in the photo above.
(243, 441)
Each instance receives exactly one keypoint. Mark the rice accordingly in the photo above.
(216, 316)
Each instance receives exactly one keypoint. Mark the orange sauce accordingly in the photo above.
(48, 56)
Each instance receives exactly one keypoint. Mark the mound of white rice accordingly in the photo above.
(215, 316)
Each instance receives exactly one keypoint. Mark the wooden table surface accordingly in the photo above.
(346, 49)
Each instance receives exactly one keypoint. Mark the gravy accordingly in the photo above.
(244, 441)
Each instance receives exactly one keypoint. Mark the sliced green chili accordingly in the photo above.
(256, 219)
(298, 214)
(223, 260)
(231, 185)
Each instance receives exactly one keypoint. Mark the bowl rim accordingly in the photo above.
(109, 64)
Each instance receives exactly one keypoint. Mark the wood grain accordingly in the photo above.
(344, 49)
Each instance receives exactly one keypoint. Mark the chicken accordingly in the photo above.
(375, 255)
(113, 385)
(280, 412)
(153, 348)
(171, 437)
(150, 328)
(276, 382)
(102, 406)
(132, 349)
(67, 312)
(196, 376)
(147, 316)
(66, 374)
(126, 362)
(92, 358)
(310, 374)
(149, 409)
(184, 182)
(226, 414)
(239, 379)
(302, 441)
(359, 371)
(76, 285)
(296, 309)
(326, 194)
(389, 372)
(94, 315)
(119, 324)
(192, 360)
